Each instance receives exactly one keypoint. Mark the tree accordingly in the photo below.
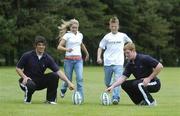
(7, 29)
(170, 10)
(153, 25)
(139, 19)
(92, 18)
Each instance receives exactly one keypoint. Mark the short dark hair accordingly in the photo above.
(39, 39)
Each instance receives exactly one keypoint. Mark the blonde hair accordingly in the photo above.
(114, 20)
(130, 46)
(65, 26)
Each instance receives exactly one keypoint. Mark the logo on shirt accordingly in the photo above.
(114, 42)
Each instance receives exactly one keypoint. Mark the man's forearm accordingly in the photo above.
(20, 73)
(156, 71)
(62, 76)
(119, 81)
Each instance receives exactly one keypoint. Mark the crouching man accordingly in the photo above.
(145, 70)
(31, 68)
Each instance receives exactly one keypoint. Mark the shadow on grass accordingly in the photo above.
(69, 103)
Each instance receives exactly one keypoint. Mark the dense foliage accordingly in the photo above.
(153, 25)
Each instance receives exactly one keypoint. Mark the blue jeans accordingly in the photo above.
(109, 70)
(77, 66)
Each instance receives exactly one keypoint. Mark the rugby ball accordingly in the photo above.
(76, 98)
(105, 99)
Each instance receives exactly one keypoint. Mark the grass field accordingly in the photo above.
(11, 98)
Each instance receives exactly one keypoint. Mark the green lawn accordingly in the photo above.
(11, 98)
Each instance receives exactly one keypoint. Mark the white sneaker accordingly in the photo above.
(27, 102)
(144, 103)
(53, 103)
(154, 103)
(62, 94)
(50, 102)
(115, 101)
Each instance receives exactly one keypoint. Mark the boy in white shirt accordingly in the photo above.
(113, 44)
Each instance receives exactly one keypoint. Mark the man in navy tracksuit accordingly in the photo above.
(145, 70)
(31, 68)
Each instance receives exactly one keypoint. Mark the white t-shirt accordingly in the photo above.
(73, 41)
(113, 45)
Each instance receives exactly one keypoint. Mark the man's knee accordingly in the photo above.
(124, 85)
(30, 86)
(53, 76)
(52, 80)
(129, 84)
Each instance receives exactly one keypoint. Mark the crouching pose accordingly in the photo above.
(145, 70)
(31, 68)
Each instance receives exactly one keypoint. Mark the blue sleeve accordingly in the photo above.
(127, 71)
(23, 61)
(52, 64)
(150, 61)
